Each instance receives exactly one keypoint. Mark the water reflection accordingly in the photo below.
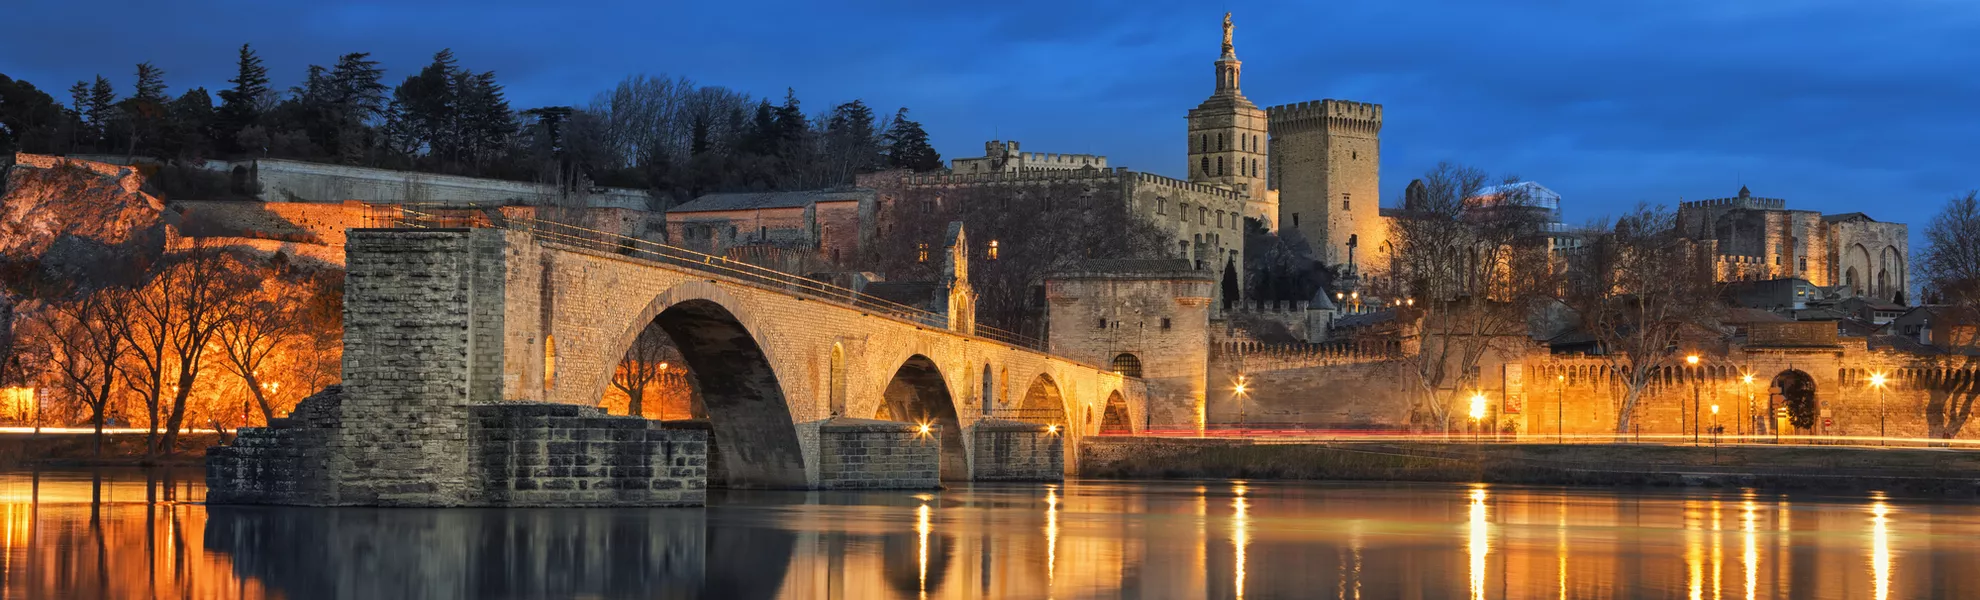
(132, 534)
(1480, 542)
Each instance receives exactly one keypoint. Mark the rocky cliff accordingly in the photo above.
(74, 220)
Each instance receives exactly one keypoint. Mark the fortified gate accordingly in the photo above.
(473, 358)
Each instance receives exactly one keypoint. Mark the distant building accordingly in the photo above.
(1760, 238)
(825, 224)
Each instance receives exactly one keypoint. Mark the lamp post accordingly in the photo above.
(1715, 434)
(1238, 391)
(1477, 412)
(1692, 360)
(1747, 414)
(1560, 414)
(1877, 381)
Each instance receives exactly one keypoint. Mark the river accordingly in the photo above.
(139, 534)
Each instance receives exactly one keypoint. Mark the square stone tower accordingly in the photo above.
(1228, 139)
(1325, 162)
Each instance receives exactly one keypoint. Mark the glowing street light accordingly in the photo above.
(1477, 412)
(1560, 409)
(1747, 415)
(1238, 390)
(1692, 359)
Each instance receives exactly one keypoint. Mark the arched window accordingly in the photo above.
(989, 398)
(1205, 169)
(549, 362)
(837, 386)
(1202, 216)
(1127, 364)
(1220, 165)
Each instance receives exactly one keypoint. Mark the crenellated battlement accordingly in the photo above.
(1039, 176)
(1064, 161)
(1733, 259)
(1751, 202)
(1308, 354)
(1333, 114)
(1295, 307)
(1178, 184)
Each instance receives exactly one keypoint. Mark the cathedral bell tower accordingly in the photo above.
(1227, 137)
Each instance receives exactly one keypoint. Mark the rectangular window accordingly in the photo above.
(1165, 323)
(1803, 265)
(993, 249)
(1295, 220)
(921, 252)
(1344, 200)
(1102, 324)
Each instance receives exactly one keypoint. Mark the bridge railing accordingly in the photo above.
(605, 241)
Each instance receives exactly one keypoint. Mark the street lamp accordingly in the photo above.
(1747, 380)
(1477, 412)
(1692, 359)
(1238, 390)
(1877, 381)
(1715, 434)
(1560, 413)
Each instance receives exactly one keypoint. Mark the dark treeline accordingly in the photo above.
(672, 136)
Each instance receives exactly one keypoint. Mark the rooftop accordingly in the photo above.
(763, 200)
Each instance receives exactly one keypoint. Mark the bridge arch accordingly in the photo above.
(1044, 402)
(918, 393)
(749, 414)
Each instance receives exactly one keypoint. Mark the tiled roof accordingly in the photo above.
(762, 200)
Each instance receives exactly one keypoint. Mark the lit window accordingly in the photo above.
(1127, 364)
(921, 252)
(993, 249)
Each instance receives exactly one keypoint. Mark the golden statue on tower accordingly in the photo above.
(1227, 35)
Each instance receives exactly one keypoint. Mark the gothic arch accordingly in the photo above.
(749, 415)
(918, 393)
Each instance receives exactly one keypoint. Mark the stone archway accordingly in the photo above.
(918, 394)
(749, 418)
(1795, 390)
(1043, 402)
(1115, 421)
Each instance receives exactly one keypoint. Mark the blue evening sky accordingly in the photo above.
(1835, 105)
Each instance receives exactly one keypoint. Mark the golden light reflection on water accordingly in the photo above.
(1750, 559)
(1479, 543)
(1880, 548)
(1096, 540)
(1240, 535)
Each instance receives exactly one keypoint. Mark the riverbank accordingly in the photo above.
(78, 450)
(1917, 471)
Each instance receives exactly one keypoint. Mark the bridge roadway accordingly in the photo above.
(779, 360)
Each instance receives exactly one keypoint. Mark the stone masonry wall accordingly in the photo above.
(404, 436)
(1018, 451)
(864, 454)
(534, 454)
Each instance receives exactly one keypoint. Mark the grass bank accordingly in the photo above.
(1809, 468)
(78, 449)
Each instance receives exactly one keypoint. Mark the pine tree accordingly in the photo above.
(190, 132)
(85, 132)
(356, 99)
(425, 108)
(102, 109)
(240, 106)
(150, 84)
(485, 122)
(907, 146)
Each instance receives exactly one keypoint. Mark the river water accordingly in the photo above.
(138, 534)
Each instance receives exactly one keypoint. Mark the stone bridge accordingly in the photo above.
(805, 385)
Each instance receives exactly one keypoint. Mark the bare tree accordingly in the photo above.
(175, 317)
(1640, 289)
(257, 327)
(643, 364)
(1950, 265)
(86, 345)
(1469, 263)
